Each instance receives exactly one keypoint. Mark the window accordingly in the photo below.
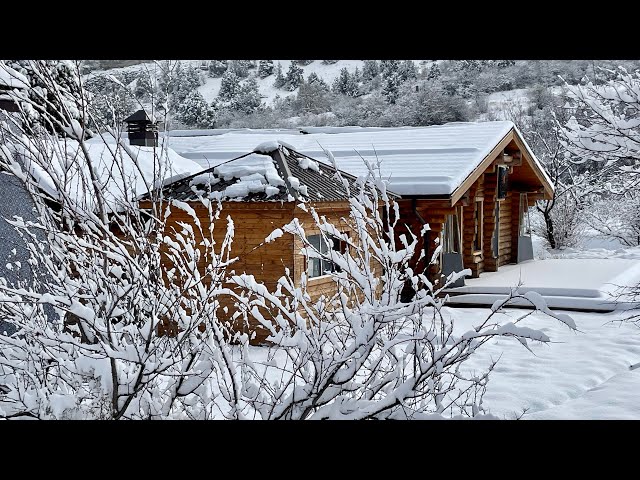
(525, 221)
(477, 239)
(503, 172)
(451, 234)
(317, 267)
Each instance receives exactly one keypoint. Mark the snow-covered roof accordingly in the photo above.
(140, 116)
(432, 160)
(11, 78)
(272, 172)
(120, 177)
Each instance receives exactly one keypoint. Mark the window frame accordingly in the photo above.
(337, 244)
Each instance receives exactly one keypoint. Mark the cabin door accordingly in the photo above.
(452, 248)
(525, 245)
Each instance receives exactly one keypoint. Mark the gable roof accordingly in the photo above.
(139, 116)
(434, 160)
(274, 173)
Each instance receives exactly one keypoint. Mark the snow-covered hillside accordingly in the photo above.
(265, 85)
(211, 86)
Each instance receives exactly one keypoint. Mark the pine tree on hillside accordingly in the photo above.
(407, 71)
(357, 75)
(312, 97)
(168, 80)
(190, 79)
(345, 84)
(239, 67)
(434, 71)
(304, 63)
(279, 81)
(229, 86)
(370, 70)
(318, 82)
(389, 68)
(217, 68)
(194, 111)
(390, 88)
(294, 76)
(391, 79)
(329, 62)
(265, 68)
(247, 99)
(144, 86)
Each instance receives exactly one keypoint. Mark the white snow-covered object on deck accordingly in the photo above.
(585, 284)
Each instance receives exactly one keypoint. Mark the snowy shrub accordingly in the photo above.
(361, 353)
(136, 333)
(563, 225)
(139, 332)
(265, 68)
(617, 217)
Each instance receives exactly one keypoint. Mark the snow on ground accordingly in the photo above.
(581, 375)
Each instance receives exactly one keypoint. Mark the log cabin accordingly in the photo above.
(261, 191)
(472, 182)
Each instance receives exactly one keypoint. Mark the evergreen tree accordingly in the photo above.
(407, 71)
(190, 79)
(329, 62)
(434, 71)
(345, 84)
(247, 99)
(144, 86)
(265, 68)
(357, 75)
(280, 80)
(229, 86)
(389, 68)
(312, 97)
(217, 68)
(390, 89)
(170, 73)
(304, 63)
(318, 82)
(239, 67)
(370, 70)
(390, 71)
(294, 76)
(195, 112)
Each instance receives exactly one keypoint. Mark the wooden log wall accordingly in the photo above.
(489, 221)
(253, 222)
(472, 259)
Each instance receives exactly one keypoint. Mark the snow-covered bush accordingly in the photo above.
(361, 353)
(604, 134)
(617, 217)
(137, 331)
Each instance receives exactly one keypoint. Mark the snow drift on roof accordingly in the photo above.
(117, 184)
(431, 160)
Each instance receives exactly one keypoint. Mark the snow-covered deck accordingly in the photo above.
(577, 283)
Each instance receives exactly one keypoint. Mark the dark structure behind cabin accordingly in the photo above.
(142, 130)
